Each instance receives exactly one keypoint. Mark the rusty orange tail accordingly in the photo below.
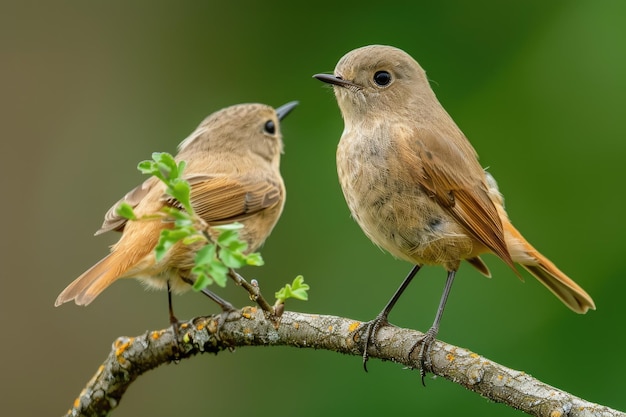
(546, 272)
(84, 289)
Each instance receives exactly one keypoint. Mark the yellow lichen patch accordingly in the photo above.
(155, 335)
(77, 402)
(247, 331)
(354, 325)
(248, 312)
(120, 349)
(184, 325)
(474, 356)
(211, 326)
(450, 357)
(499, 380)
(122, 341)
(330, 328)
(200, 326)
(296, 325)
(556, 413)
(93, 379)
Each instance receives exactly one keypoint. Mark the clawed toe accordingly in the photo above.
(176, 350)
(423, 357)
(221, 319)
(370, 335)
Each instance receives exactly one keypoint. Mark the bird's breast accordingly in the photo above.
(396, 213)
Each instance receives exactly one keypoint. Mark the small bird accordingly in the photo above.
(414, 184)
(233, 160)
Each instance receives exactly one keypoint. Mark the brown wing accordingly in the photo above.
(224, 199)
(450, 172)
(112, 220)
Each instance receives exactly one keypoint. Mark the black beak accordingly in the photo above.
(285, 109)
(334, 80)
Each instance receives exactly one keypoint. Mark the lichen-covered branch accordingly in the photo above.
(132, 356)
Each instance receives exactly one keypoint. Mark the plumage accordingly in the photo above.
(453, 177)
(413, 182)
(233, 170)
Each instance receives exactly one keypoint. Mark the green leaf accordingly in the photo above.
(214, 271)
(147, 167)
(165, 160)
(190, 240)
(229, 226)
(254, 259)
(126, 210)
(181, 167)
(212, 261)
(219, 273)
(166, 165)
(202, 281)
(226, 237)
(232, 259)
(180, 190)
(168, 238)
(298, 290)
(181, 218)
(209, 268)
(205, 255)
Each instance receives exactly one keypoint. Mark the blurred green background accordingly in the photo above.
(88, 89)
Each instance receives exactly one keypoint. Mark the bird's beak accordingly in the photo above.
(334, 80)
(285, 109)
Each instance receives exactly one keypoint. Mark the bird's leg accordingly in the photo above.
(429, 337)
(173, 322)
(381, 319)
(224, 305)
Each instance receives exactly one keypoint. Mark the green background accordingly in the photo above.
(88, 89)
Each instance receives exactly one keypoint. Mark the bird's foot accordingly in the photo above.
(222, 318)
(423, 357)
(176, 351)
(370, 335)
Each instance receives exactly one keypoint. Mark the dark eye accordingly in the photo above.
(382, 78)
(270, 127)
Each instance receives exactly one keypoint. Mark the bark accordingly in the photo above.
(130, 357)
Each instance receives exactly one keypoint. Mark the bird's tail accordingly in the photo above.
(84, 289)
(522, 252)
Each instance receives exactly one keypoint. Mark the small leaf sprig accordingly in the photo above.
(220, 255)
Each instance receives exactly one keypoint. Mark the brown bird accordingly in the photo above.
(233, 162)
(413, 182)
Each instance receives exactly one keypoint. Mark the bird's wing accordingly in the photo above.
(451, 174)
(112, 220)
(214, 198)
(224, 198)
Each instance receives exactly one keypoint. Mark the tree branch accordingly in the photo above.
(132, 356)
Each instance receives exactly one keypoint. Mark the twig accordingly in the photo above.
(254, 291)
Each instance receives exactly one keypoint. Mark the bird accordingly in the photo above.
(233, 167)
(413, 183)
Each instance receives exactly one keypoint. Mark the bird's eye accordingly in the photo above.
(270, 127)
(382, 78)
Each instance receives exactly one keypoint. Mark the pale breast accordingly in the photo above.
(394, 212)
